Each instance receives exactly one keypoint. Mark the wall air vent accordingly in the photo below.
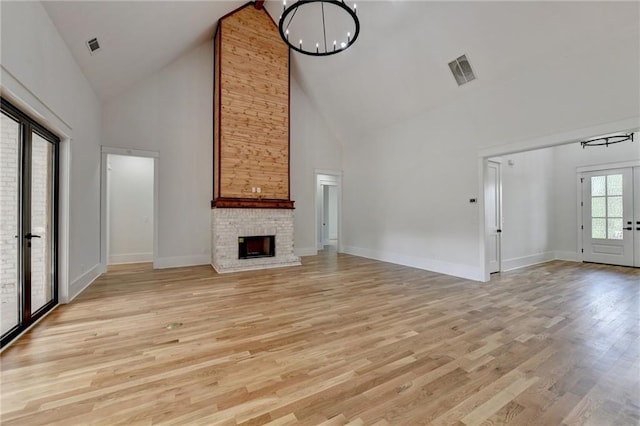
(93, 45)
(461, 69)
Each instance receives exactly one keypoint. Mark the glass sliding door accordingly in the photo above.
(9, 223)
(28, 192)
(41, 230)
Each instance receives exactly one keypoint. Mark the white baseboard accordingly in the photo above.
(570, 256)
(84, 281)
(305, 251)
(457, 270)
(178, 261)
(116, 259)
(533, 259)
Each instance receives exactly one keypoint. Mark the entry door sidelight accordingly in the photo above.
(28, 193)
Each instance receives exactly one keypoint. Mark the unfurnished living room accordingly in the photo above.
(320, 212)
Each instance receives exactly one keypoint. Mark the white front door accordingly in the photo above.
(493, 214)
(607, 216)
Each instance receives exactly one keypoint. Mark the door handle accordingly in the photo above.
(629, 228)
(498, 230)
(30, 236)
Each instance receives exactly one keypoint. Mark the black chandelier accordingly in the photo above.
(607, 140)
(319, 27)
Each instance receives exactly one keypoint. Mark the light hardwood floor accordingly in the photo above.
(338, 340)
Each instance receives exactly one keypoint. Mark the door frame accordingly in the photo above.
(498, 162)
(333, 178)
(579, 205)
(502, 148)
(104, 212)
(28, 126)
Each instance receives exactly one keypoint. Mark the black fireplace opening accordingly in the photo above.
(256, 246)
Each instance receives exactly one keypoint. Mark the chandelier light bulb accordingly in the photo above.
(289, 17)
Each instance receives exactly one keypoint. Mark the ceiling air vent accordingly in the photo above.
(461, 69)
(93, 45)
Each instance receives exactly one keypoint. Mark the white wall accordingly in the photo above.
(130, 208)
(567, 159)
(406, 195)
(527, 208)
(170, 112)
(313, 147)
(39, 73)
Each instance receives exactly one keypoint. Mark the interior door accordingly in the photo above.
(493, 215)
(607, 216)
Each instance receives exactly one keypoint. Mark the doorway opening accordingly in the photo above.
(541, 209)
(328, 210)
(129, 206)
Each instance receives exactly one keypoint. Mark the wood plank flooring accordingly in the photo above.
(339, 340)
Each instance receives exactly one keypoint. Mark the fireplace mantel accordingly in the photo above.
(251, 203)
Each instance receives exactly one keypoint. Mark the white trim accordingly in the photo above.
(105, 152)
(625, 125)
(608, 166)
(483, 165)
(530, 260)
(568, 256)
(579, 218)
(117, 259)
(18, 94)
(180, 261)
(327, 172)
(305, 251)
(129, 152)
(64, 191)
(23, 98)
(84, 281)
(455, 269)
(336, 179)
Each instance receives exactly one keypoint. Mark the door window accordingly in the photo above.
(606, 207)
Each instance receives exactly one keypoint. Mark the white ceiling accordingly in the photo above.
(397, 66)
(136, 37)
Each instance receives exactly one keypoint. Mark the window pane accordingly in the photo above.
(9, 170)
(614, 206)
(599, 228)
(598, 207)
(41, 225)
(614, 229)
(614, 185)
(598, 186)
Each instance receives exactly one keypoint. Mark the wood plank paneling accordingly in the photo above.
(341, 340)
(252, 106)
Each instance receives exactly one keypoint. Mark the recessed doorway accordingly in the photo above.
(328, 208)
(129, 206)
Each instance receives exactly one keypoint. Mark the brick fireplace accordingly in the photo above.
(251, 141)
(228, 225)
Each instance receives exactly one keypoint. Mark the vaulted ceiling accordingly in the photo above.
(397, 67)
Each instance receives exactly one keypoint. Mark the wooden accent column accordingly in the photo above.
(251, 112)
